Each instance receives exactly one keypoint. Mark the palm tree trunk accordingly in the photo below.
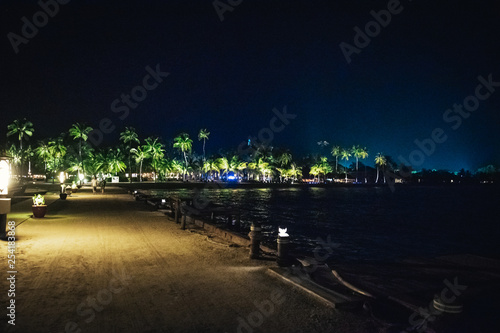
(376, 180)
(140, 172)
(21, 153)
(130, 167)
(357, 170)
(203, 150)
(185, 166)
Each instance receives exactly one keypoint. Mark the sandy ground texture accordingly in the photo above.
(106, 263)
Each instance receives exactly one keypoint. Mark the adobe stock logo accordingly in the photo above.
(362, 39)
(427, 146)
(29, 30)
(266, 134)
(122, 105)
(222, 7)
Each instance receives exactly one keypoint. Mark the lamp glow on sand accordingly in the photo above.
(282, 232)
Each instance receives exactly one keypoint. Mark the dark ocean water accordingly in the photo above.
(372, 223)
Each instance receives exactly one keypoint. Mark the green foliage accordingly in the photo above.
(38, 200)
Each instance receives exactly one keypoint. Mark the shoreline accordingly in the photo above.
(223, 185)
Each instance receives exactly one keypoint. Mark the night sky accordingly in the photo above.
(227, 76)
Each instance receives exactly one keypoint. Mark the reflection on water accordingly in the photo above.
(372, 223)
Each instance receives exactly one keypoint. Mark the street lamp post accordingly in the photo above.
(4, 190)
(62, 178)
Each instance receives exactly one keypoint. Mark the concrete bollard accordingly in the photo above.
(255, 235)
(283, 249)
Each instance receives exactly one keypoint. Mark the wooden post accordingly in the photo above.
(183, 223)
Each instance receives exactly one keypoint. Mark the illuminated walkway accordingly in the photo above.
(106, 263)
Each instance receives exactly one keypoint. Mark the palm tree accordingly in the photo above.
(129, 136)
(156, 151)
(325, 167)
(284, 158)
(263, 167)
(23, 129)
(93, 164)
(240, 167)
(16, 156)
(345, 154)
(114, 159)
(363, 154)
(213, 167)
(322, 167)
(28, 152)
(251, 167)
(140, 155)
(207, 168)
(184, 144)
(315, 171)
(356, 152)
(203, 135)
(260, 167)
(222, 164)
(380, 162)
(80, 132)
(295, 172)
(336, 152)
(236, 165)
(57, 151)
(43, 152)
(176, 167)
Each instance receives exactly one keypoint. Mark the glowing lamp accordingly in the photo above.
(62, 177)
(282, 232)
(4, 175)
(81, 176)
(163, 201)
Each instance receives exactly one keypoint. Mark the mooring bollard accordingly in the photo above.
(255, 237)
(183, 223)
(177, 208)
(283, 248)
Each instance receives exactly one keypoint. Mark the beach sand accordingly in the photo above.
(107, 263)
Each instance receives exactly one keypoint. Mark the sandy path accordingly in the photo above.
(106, 263)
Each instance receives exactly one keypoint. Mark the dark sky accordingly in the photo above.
(228, 75)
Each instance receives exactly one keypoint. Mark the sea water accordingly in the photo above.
(370, 223)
